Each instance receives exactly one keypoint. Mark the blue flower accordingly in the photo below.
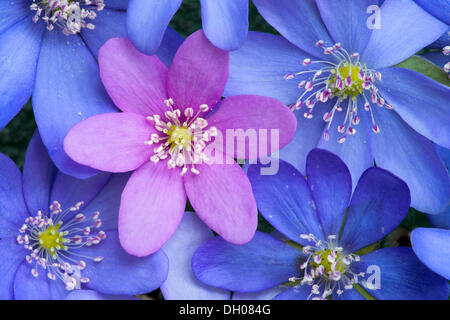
(58, 233)
(337, 34)
(331, 225)
(59, 66)
(225, 22)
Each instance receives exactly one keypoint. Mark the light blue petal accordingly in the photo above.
(412, 158)
(68, 90)
(297, 21)
(19, 51)
(12, 12)
(260, 65)
(12, 257)
(400, 35)
(431, 247)
(421, 102)
(181, 283)
(438, 8)
(147, 21)
(225, 22)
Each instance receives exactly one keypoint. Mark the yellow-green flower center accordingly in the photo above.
(348, 71)
(179, 137)
(51, 238)
(325, 262)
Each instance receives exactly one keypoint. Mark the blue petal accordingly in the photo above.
(27, 287)
(18, 58)
(13, 211)
(68, 90)
(107, 201)
(260, 65)
(94, 295)
(300, 292)
(413, 158)
(262, 263)
(170, 43)
(120, 273)
(436, 57)
(431, 247)
(380, 202)
(331, 186)
(297, 21)
(12, 256)
(147, 22)
(38, 176)
(420, 101)
(259, 295)
(440, 43)
(285, 200)
(400, 36)
(403, 276)
(349, 295)
(356, 151)
(438, 8)
(307, 136)
(12, 12)
(444, 153)
(116, 4)
(68, 191)
(108, 24)
(346, 22)
(181, 283)
(225, 22)
(441, 220)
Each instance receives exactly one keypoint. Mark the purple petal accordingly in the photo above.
(198, 73)
(267, 120)
(135, 82)
(151, 208)
(222, 197)
(113, 142)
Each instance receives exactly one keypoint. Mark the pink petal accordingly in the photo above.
(134, 81)
(198, 73)
(151, 208)
(257, 116)
(222, 197)
(111, 142)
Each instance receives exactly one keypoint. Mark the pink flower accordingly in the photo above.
(164, 134)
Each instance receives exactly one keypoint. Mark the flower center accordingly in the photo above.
(345, 79)
(53, 240)
(70, 15)
(326, 268)
(182, 137)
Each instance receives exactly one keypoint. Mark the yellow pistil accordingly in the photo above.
(326, 263)
(179, 136)
(357, 84)
(51, 238)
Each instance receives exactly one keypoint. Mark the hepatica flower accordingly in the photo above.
(48, 49)
(331, 224)
(336, 72)
(59, 234)
(165, 133)
(225, 22)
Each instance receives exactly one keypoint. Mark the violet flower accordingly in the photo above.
(165, 134)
